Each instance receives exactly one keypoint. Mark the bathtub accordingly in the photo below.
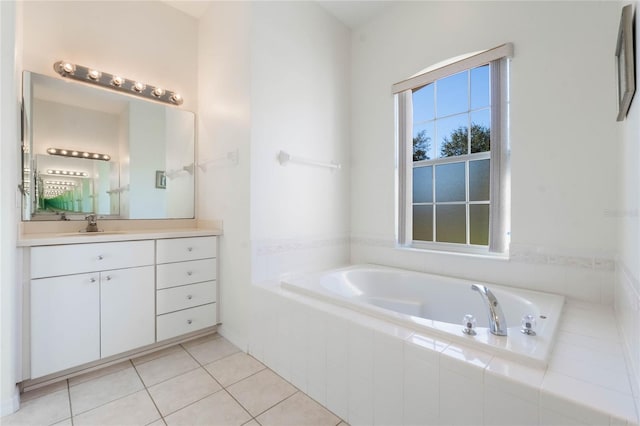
(436, 305)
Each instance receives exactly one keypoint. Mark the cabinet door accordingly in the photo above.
(127, 307)
(65, 322)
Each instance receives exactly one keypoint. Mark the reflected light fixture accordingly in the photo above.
(66, 173)
(115, 82)
(78, 154)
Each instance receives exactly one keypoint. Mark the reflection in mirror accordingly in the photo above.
(135, 139)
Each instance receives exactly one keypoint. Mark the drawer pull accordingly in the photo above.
(100, 257)
(189, 297)
(189, 248)
(92, 280)
(189, 273)
(108, 277)
(189, 321)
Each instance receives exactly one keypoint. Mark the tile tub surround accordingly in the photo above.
(371, 372)
(207, 381)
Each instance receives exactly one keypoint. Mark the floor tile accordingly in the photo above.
(178, 392)
(261, 391)
(251, 422)
(161, 369)
(96, 392)
(45, 410)
(135, 409)
(158, 354)
(99, 373)
(234, 368)
(298, 410)
(65, 422)
(217, 409)
(210, 348)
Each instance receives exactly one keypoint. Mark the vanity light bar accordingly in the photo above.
(59, 182)
(66, 173)
(115, 82)
(78, 154)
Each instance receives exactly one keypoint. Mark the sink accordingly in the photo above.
(90, 234)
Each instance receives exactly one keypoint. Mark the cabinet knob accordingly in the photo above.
(189, 248)
(100, 257)
(189, 321)
(108, 277)
(189, 297)
(92, 280)
(189, 273)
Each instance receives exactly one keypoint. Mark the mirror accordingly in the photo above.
(89, 150)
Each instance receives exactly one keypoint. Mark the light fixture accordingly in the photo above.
(69, 173)
(114, 82)
(78, 154)
(59, 182)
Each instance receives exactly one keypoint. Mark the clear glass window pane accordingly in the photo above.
(423, 146)
(479, 179)
(452, 94)
(451, 224)
(423, 184)
(423, 223)
(481, 131)
(450, 182)
(480, 93)
(423, 103)
(453, 135)
(479, 224)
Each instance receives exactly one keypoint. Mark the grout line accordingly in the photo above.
(148, 393)
(69, 396)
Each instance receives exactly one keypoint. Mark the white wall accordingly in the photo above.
(627, 301)
(299, 104)
(9, 212)
(224, 126)
(563, 183)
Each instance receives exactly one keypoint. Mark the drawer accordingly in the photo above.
(187, 296)
(181, 249)
(181, 273)
(48, 261)
(186, 321)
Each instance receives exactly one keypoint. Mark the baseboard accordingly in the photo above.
(10, 405)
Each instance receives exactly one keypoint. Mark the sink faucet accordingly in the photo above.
(497, 323)
(92, 223)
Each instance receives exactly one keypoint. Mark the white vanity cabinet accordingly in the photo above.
(89, 301)
(186, 285)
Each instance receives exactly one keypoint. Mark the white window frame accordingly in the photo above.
(499, 210)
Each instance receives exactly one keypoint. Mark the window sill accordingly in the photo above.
(446, 250)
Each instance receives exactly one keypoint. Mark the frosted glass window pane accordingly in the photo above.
(479, 224)
(423, 103)
(481, 131)
(423, 184)
(450, 182)
(451, 224)
(452, 94)
(453, 135)
(423, 223)
(479, 175)
(480, 87)
(423, 146)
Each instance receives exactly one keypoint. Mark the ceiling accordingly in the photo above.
(352, 13)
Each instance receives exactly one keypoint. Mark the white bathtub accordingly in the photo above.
(436, 305)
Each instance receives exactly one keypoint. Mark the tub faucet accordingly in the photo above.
(497, 323)
(92, 223)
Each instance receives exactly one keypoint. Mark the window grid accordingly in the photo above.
(466, 158)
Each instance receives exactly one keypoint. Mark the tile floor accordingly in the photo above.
(207, 381)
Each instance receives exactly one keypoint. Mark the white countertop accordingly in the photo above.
(59, 238)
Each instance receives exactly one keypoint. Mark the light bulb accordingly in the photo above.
(117, 81)
(157, 92)
(176, 98)
(74, 153)
(138, 87)
(94, 75)
(52, 150)
(85, 154)
(68, 67)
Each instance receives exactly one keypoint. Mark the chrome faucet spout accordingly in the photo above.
(497, 323)
(92, 223)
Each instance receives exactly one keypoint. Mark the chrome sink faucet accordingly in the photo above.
(497, 323)
(92, 223)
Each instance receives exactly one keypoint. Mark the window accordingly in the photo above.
(453, 155)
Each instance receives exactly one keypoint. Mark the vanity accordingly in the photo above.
(141, 275)
(96, 298)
